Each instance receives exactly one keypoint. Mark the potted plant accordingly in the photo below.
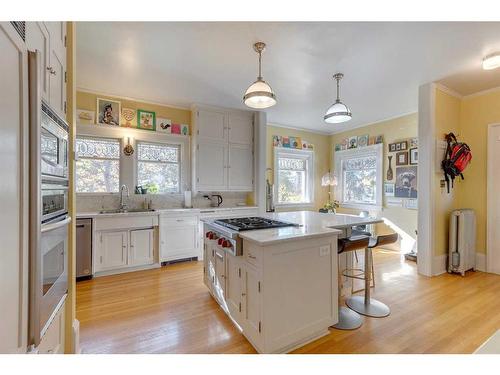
(331, 206)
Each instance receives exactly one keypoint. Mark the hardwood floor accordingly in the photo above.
(169, 310)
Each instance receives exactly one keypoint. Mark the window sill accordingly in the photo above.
(294, 205)
(361, 206)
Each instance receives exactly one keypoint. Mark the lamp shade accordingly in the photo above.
(338, 112)
(259, 95)
(329, 179)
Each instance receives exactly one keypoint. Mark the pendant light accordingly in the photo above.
(259, 95)
(338, 111)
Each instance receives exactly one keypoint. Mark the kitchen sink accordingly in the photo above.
(126, 210)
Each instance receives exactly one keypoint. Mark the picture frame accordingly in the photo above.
(338, 147)
(353, 142)
(128, 118)
(108, 112)
(406, 182)
(413, 156)
(398, 146)
(379, 139)
(371, 141)
(146, 120)
(84, 116)
(402, 158)
(163, 125)
(413, 143)
(392, 147)
(404, 145)
(363, 140)
(277, 141)
(389, 189)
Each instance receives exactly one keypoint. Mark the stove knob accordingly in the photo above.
(221, 241)
(226, 243)
(208, 234)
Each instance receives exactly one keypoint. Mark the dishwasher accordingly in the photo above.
(83, 249)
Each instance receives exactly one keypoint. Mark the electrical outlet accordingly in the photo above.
(324, 251)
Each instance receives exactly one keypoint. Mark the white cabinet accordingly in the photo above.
(251, 303)
(219, 286)
(50, 39)
(234, 273)
(52, 341)
(179, 237)
(112, 250)
(13, 185)
(222, 150)
(141, 247)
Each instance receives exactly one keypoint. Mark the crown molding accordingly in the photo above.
(447, 90)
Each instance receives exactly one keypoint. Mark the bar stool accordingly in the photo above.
(366, 305)
(349, 319)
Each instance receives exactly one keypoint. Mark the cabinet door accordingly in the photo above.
(240, 168)
(240, 128)
(141, 247)
(252, 318)
(220, 275)
(211, 124)
(13, 199)
(179, 241)
(211, 171)
(57, 66)
(233, 286)
(112, 250)
(37, 39)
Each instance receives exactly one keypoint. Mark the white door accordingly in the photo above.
(57, 66)
(112, 250)
(240, 167)
(233, 287)
(141, 247)
(240, 128)
(211, 125)
(179, 241)
(13, 198)
(251, 302)
(37, 39)
(493, 200)
(220, 275)
(211, 171)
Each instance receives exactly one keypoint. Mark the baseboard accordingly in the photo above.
(481, 262)
(439, 264)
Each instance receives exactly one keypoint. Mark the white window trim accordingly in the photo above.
(376, 150)
(128, 164)
(164, 143)
(282, 151)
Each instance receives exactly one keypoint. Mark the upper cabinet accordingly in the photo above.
(223, 156)
(49, 38)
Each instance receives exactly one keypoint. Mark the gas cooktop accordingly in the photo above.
(251, 223)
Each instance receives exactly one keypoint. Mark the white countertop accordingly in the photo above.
(312, 224)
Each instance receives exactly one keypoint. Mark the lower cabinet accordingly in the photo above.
(121, 249)
(53, 340)
(179, 237)
(251, 303)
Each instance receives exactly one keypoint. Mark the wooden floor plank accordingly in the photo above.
(169, 310)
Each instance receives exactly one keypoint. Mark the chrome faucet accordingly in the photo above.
(123, 205)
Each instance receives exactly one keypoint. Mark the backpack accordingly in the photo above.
(457, 157)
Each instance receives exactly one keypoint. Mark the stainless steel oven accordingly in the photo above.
(54, 199)
(53, 144)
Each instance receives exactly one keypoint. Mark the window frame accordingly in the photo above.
(120, 162)
(180, 163)
(376, 150)
(306, 155)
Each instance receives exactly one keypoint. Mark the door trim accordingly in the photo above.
(490, 265)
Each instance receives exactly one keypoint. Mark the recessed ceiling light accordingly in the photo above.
(491, 61)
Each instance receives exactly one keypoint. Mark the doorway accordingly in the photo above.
(493, 200)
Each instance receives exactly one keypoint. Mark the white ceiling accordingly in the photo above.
(213, 63)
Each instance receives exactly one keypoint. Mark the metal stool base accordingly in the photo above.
(375, 309)
(348, 319)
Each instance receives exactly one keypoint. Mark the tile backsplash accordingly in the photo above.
(97, 202)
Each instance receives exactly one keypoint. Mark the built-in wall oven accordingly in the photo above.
(49, 219)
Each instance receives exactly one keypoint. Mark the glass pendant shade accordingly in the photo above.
(259, 95)
(338, 111)
(329, 179)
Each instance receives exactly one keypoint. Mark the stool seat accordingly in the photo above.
(352, 243)
(381, 240)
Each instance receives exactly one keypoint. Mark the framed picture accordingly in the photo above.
(286, 142)
(398, 146)
(392, 147)
(413, 156)
(163, 125)
(128, 118)
(406, 182)
(371, 141)
(402, 158)
(363, 140)
(108, 112)
(84, 116)
(184, 129)
(353, 142)
(389, 188)
(338, 147)
(344, 144)
(277, 141)
(413, 142)
(404, 145)
(379, 139)
(146, 120)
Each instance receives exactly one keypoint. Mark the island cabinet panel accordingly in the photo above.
(251, 304)
(234, 287)
(220, 274)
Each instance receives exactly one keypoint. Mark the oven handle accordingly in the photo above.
(50, 227)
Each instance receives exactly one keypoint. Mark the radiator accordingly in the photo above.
(462, 241)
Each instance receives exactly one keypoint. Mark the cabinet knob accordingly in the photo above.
(51, 70)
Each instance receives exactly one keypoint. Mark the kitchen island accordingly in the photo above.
(281, 288)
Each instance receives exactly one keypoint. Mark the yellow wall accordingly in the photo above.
(88, 101)
(447, 118)
(476, 114)
(393, 130)
(321, 158)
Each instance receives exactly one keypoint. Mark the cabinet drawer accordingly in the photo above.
(252, 255)
(110, 223)
(179, 221)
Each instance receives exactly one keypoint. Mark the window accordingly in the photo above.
(293, 176)
(359, 173)
(158, 167)
(98, 165)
